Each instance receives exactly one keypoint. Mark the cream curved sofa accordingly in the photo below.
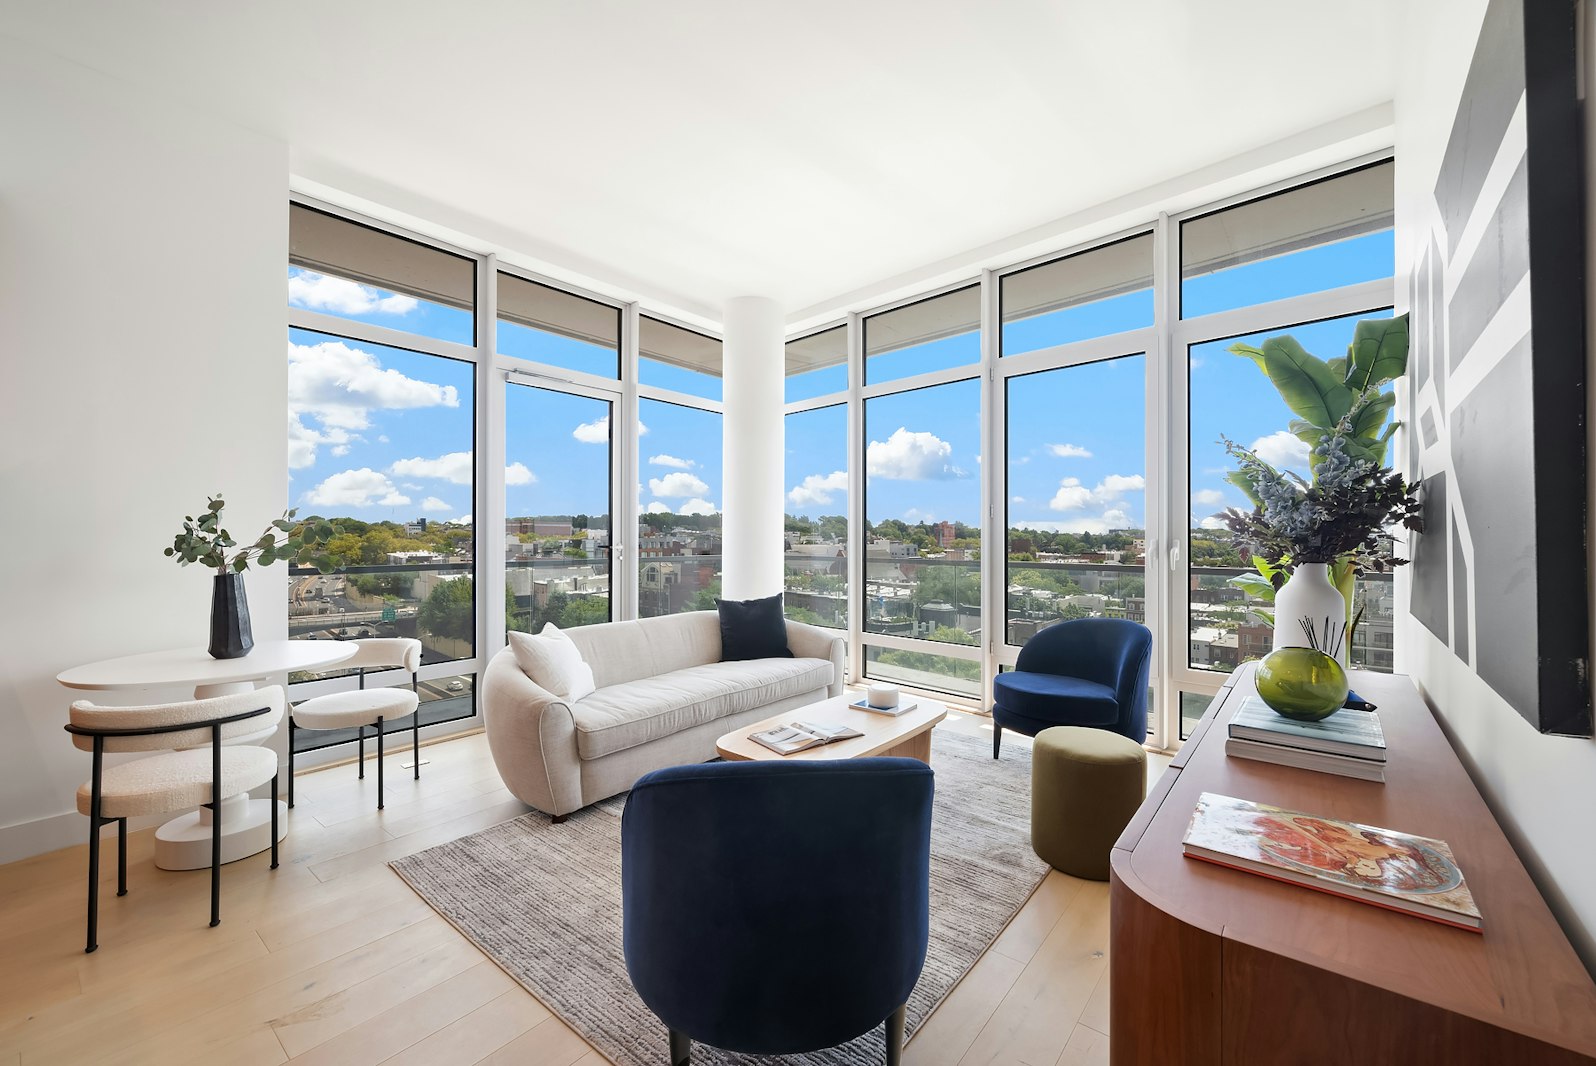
(663, 698)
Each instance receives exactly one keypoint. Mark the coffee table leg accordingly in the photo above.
(915, 747)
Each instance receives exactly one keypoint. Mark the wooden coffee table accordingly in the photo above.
(908, 735)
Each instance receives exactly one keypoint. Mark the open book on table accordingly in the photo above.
(801, 736)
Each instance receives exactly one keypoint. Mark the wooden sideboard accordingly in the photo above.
(1210, 965)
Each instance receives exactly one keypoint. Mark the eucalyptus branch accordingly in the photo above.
(204, 540)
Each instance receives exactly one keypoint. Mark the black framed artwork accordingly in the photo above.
(1496, 396)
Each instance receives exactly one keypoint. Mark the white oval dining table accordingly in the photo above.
(184, 843)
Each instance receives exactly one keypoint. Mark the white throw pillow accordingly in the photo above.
(551, 660)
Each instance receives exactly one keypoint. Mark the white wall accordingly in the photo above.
(142, 332)
(1543, 789)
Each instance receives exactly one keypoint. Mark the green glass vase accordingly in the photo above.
(1302, 684)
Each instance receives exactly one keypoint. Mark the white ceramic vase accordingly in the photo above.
(1308, 594)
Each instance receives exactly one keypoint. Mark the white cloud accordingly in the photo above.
(1016, 499)
(432, 503)
(456, 468)
(303, 440)
(356, 488)
(677, 486)
(1074, 496)
(907, 456)
(342, 297)
(340, 450)
(1281, 450)
(1213, 522)
(1208, 497)
(340, 386)
(1111, 519)
(818, 489)
(656, 508)
(697, 505)
(594, 432)
(463, 520)
(1071, 495)
(671, 461)
(1069, 451)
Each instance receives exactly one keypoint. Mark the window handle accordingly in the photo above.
(1174, 555)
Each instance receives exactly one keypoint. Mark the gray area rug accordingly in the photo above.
(544, 902)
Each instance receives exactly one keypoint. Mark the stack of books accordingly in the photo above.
(1349, 743)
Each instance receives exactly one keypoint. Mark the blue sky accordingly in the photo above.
(383, 433)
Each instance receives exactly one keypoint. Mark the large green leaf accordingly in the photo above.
(1379, 352)
(1306, 432)
(1255, 354)
(1305, 382)
(1372, 415)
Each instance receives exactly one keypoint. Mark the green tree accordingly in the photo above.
(584, 611)
(448, 612)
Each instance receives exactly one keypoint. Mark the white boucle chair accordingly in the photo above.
(199, 771)
(365, 706)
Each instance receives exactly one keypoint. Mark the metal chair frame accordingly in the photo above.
(415, 740)
(96, 819)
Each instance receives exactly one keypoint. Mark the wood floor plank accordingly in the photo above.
(959, 1019)
(477, 1035)
(1096, 1012)
(409, 844)
(1030, 927)
(549, 1043)
(1034, 1021)
(315, 1023)
(411, 1020)
(1086, 1047)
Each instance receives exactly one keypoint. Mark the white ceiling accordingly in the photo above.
(695, 150)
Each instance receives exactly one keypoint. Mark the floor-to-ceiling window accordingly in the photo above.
(921, 536)
(816, 478)
(1310, 262)
(563, 354)
(381, 423)
(679, 469)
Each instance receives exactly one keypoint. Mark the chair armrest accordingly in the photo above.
(532, 736)
(814, 642)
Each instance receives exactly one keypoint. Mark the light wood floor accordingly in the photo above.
(332, 959)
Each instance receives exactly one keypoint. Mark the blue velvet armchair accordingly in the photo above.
(1084, 672)
(776, 908)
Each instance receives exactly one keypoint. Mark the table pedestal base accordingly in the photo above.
(185, 843)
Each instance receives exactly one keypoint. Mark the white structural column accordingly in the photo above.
(754, 436)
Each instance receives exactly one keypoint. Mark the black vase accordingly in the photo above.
(230, 635)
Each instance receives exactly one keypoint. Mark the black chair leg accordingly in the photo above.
(379, 763)
(216, 827)
(895, 1035)
(274, 819)
(362, 753)
(293, 732)
(415, 728)
(997, 739)
(94, 849)
(121, 856)
(681, 1049)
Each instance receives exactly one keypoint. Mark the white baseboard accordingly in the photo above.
(27, 839)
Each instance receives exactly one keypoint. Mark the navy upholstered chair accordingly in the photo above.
(1085, 672)
(776, 908)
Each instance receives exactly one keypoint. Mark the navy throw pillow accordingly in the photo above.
(752, 629)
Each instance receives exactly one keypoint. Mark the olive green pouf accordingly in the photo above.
(1085, 785)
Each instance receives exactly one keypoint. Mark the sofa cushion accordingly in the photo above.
(1055, 698)
(645, 647)
(752, 629)
(635, 712)
(553, 661)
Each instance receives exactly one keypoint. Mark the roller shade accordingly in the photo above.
(327, 244)
(1348, 205)
(942, 316)
(526, 303)
(666, 343)
(817, 351)
(1082, 278)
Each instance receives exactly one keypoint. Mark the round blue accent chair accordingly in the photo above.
(1084, 672)
(774, 908)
